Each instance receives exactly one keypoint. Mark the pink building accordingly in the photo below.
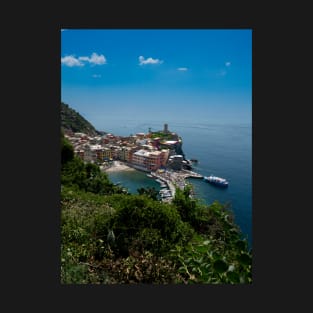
(147, 160)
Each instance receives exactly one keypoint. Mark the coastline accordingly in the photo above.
(172, 179)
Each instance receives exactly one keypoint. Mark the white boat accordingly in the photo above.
(218, 181)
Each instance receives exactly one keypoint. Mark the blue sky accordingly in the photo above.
(200, 74)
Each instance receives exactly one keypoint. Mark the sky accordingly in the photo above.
(162, 75)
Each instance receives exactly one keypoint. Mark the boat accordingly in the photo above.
(165, 193)
(218, 181)
(149, 175)
(162, 184)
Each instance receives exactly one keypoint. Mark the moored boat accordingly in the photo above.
(165, 193)
(218, 181)
(162, 184)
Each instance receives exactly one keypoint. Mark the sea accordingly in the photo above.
(223, 150)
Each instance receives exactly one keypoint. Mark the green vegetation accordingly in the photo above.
(169, 136)
(150, 192)
(73, 121)
(164, 136)
(85, 177)
(109, 236)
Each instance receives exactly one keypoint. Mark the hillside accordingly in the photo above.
(111, 237)
(73, 121)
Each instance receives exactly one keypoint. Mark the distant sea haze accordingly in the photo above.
(224, 150)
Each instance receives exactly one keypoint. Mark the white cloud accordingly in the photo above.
(228, 64)
(94, 59)
(84, 59)
(98, 59)
(183, 69)
(143, 61)
(71, 61)
(96, 75)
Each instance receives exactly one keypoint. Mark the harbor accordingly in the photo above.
(170, 180)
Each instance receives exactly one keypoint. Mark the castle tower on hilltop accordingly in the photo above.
(165, 130)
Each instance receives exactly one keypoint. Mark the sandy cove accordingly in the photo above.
(118, 166)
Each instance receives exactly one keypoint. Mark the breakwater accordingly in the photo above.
(173, 180)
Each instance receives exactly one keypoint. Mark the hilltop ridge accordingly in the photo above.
(72, 121)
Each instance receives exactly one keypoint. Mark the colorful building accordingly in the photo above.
(148, 160)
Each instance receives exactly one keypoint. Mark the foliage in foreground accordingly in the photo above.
(134, 239)
(110, 237)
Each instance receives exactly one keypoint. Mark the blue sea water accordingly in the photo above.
(224, 150)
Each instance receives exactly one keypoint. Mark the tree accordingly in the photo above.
(186, 206)
(67, 151)
(151, 192)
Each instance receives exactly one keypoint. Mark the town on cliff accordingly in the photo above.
(147, 152)
(159, 153)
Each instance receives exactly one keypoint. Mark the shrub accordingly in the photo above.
(144, 268)
(140, 221)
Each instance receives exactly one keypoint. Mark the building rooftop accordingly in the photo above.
(141, 152)
(170, 142)
(146, 153)
(95, 147)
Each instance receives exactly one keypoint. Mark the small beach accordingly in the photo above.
(118, 166)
